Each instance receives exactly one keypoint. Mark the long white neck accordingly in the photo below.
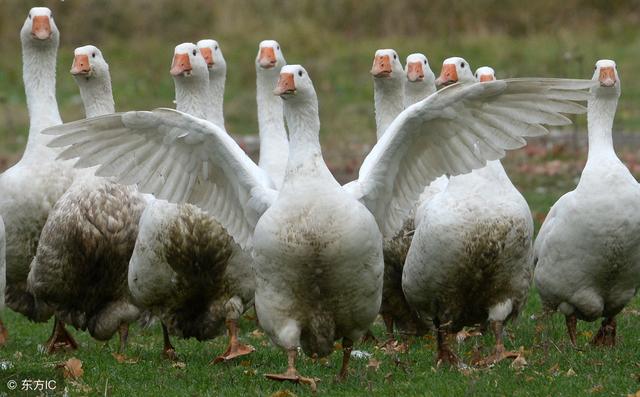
(191, 95)
(417, 91)
(215, 110)
(274, 144)
(600, 114)
(305, 155)
(39, 74)
(96, 95)
(388, 94)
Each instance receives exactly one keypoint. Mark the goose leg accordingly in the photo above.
(4, 334)
(291, 375)
(572, 324)
(60, 339)
(123, 331)
(168, 351)
(445, 354)
(347, 346)
(234, 309)
(369, 337)
(500, 353)
(606, 335)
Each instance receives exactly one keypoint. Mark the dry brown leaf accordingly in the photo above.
(179, 365)
(571, 372)
(636, 394)
(256, 333)
(283, 393)
(122, 359)
(519, 363)
(72, 368)
(597, 389)
(374, 364)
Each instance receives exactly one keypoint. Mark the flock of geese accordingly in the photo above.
(163, 213)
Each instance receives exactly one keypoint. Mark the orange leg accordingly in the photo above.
(235, 349)
(500, 353)
(606, 335)
(4, 334)
(291, 375)
(60, 339)
(123, 331)
(347, 346)
(445, 354)
(572, 325)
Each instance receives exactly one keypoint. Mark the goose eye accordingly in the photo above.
(216, 48)
(300, 73)
(462, 65)
(93, 55)
(425, 62)
(29, 16)
(51, 15)
(595, 68)
(194, 52)
(395, 56)
(278, 47)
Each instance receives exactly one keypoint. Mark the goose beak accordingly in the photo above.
(81, 65)
(607, 77)
(267, 58)
(286, 86)
(41, 27)
(448, 75)
(381, 66)
(181, 65)
(207, 54)
(415, 72)
(487, 77)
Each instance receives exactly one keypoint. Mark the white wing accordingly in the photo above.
(455, 130)
(176, 157)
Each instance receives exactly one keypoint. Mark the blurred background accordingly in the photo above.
(335, 40)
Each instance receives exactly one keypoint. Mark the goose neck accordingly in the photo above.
(191, 95)
(97, 96)
(304, 127)
(415, 92)
(388, 96)
(215, 111)
(600, 114)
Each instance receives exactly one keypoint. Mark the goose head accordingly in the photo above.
(417, 69)
(39, 27)
(455, 69)
(88, 63)
(606, 73)
(485, 73)
(386, 64)
(294, 83)
(212, 54)
(188, 61)
(269, 56)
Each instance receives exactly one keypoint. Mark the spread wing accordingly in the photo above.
(176, 157)
(455, 130)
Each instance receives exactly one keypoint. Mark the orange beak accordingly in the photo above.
(267, 58)
(486, 77)
(607, 77)
(415, 72)
(448, 75)
(207, 54)
(381, 66)
(80, 65)
(41, 27)
(286, 85)
(181, 64)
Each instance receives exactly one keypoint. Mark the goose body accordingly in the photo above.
(31, 187)
(470, 260)
(80, 268)
(588, 250)
(308, 237)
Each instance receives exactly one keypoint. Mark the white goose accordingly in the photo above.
(32, 186)
(4, 334)
(471, 256)
(588, 250)
(388, 88)
(212, 54)
(185, 267)
(80, 268)
(317, 245)
(421, 82)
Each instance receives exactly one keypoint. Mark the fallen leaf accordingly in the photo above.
(637, 394)
(519, 363)
(554, 369)
(17, 355)
(256, 333)
(374, 364)
(529, 378)
(250, 372)
(283, 393)
(72, 368)
(597, 389)
(571, 372)
(122, 359)
(587, 334)
(179, 365)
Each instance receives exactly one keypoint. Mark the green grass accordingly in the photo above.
(598, 371)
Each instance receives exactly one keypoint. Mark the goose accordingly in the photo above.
(471, 256)
(80, 267)
(316, 245)
(587, 253)
(274, 144)
(421, 82)
(212, 54)
(388, 88)
(185, 267)
(32, 186)
(4, 334)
